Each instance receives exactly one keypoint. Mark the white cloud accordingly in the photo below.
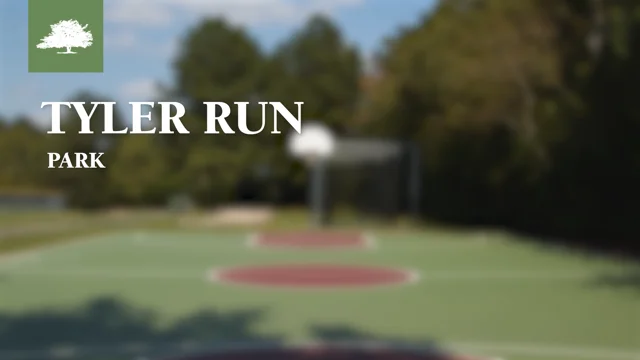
(140, 90)
(138, 12)
(241, 12)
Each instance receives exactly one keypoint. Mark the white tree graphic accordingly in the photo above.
(67, 34)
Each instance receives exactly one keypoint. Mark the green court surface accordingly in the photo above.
(124, 293)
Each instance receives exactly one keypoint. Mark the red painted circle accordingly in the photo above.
(314, 275)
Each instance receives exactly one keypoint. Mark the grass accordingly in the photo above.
(485, 293)
(12, 218)
(25, 230)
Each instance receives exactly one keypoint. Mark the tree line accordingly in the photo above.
(525, 112)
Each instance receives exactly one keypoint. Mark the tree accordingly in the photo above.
(67, 34)
(217, 62)
(317, 66)
(22, 148)
(88, 188)
(137, 172)
(524, 111)
(600, 155)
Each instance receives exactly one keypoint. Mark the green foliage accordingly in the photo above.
(525, 112)
(87, 188)
(317, 66)
(218, 62)
(135, 171)
(22, 155)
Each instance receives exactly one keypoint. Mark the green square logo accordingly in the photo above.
(66, 36)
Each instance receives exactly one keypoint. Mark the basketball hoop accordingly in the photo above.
(315, 143)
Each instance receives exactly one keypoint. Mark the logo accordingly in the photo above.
(66, 36)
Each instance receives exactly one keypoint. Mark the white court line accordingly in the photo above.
(152, 236)
(532, 350)
(370, 241)
(414, 275)
(188, 246)
(504, 275)
(108, 274)
(253, 240)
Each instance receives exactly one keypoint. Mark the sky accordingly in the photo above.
(142, 37)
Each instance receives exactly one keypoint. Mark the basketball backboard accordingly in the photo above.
(315, 142)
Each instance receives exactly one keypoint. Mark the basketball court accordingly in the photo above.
(179, 294)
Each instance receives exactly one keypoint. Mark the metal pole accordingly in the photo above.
(316, 193)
